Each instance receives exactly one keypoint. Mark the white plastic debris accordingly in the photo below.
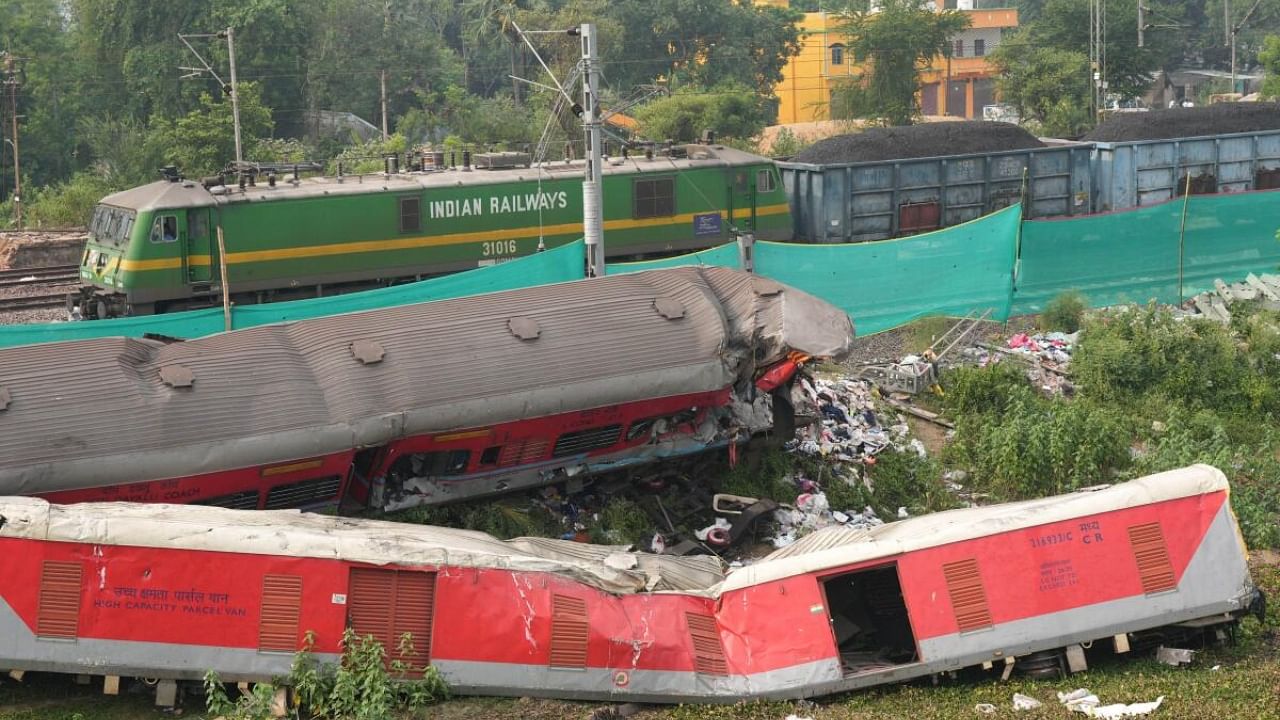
(1025, 702)
(720, 523)
(1079, 700)
(1174, 656)
(1083, 701)
(902, 512)
(985, 708)
(1120, 710)
(1215, 668)
(793, 716)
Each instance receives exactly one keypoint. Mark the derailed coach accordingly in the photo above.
(418, 404)
(170, 592)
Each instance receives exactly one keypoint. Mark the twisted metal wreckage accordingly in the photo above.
(418, 404)
(170, 592)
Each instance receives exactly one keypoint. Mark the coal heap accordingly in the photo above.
(1188, 122)
(916, 141)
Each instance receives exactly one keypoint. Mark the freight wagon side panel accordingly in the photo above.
(854, 202)
(1134, 174)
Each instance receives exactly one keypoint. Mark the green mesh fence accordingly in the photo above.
(557, 265)
(723, 256)
(1128, 256)
(1133, 255)
(888, 283)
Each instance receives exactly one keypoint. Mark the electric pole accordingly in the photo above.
(592, 201)
(1142, 24)
(11, 80)
(227, 88)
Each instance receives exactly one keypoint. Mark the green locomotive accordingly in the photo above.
(154, 248)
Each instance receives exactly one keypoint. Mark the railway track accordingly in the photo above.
(30, 302)
(32, 276)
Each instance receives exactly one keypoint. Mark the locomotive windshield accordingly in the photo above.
(111, 224)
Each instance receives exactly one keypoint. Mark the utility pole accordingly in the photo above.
(1235, 30)
(1142, 24)
(235, 92)
(383, 79)
(11, 79)
(592, 200)
(227, 88)
(382, 76)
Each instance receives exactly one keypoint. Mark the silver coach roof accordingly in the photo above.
(98, 412)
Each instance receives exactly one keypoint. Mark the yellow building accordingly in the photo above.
(960, 85)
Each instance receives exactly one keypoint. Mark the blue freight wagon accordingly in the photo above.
(853, 202)
(1146, 172)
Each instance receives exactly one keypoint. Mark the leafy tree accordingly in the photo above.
(702, 42)
(1270, 59)
(1064, 25)
(1045, 84)
(203, 141)
(897, 42)
(731, 111)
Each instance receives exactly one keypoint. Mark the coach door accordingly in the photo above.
(387, 605)
(199, 246)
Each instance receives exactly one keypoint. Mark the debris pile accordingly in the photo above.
(1216, 304)
(1053, 348)
(851, 430)
(919, 141)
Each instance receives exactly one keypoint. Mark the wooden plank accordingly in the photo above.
(921, 413)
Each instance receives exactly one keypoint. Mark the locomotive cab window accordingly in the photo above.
(164, 229)
(655, 198)
(410, 214)
(765, 181)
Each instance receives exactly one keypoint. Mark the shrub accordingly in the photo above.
(987, 390)
(904, 479)
(1064, 312)
(68, 204)
(1038, 447)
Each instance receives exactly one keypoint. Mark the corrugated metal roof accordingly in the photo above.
(97, 412)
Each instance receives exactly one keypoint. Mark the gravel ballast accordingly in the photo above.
(917, 141)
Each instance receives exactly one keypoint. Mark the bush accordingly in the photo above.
(1063, 313)
(361, 686)
(1128, 354)
(904, 479)
(731, 111)
(1039, 447)
(990, 390)
(68, 204)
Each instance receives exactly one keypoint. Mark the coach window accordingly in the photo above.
(655, 198)
(410, 214)
(165, 229)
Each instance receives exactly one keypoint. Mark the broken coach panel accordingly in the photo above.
(171, 592)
